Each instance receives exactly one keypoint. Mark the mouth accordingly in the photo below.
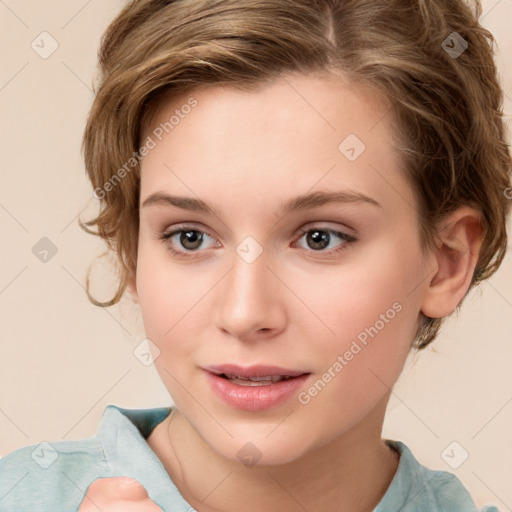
(254, 388)
(254, 381)
(259, 375)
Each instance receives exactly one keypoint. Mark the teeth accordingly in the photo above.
(256, 381)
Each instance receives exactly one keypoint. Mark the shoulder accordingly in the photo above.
(55, 475)
(416, 488)
(450, 494)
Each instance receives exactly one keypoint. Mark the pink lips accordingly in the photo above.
(272, 385)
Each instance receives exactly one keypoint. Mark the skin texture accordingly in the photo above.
(247, 153)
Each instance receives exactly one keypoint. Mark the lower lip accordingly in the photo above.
(255, 398)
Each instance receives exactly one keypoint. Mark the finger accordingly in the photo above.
(127, 489)
(106, 491)
(120, 506)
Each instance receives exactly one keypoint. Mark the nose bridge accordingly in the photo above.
(249, 299)
(251, 274)
(248, 283)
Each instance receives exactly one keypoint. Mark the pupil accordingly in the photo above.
(191, 239)
(318, 239)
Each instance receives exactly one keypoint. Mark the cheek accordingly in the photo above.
(154, 291)
(166, 296)
(165, 291)
(367, 290)
(371, 308)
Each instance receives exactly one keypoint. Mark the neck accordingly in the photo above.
(350, 473)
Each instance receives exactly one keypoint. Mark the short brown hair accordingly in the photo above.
(447, 108)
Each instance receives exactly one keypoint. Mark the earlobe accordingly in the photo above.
(458, 242)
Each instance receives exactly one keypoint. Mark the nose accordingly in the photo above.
(250, 301)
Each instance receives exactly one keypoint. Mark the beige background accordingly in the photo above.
(63, 360)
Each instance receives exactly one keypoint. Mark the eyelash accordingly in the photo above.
(166, 236)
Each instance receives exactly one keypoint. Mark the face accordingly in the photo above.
(280, 272)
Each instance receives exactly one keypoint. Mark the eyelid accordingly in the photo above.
(312, 226)
(177, 228)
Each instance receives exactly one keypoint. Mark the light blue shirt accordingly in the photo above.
(53, 477)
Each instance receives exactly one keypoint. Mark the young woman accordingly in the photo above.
(298, 193)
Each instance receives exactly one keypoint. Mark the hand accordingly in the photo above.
(120, 494)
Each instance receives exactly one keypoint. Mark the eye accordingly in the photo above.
(320, 239)
(186, 239)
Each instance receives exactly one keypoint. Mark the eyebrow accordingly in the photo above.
(301, 202)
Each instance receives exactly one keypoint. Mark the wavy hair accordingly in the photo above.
(446, 108)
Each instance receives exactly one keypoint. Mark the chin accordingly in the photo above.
(261, 454)
(254, 448)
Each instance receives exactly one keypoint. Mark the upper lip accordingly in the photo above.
(252, 371)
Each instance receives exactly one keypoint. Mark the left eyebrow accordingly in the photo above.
(301, 202)
(315, 199)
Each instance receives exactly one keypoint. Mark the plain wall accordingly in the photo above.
(62, 360)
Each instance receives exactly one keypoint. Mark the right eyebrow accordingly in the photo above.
(187, 203)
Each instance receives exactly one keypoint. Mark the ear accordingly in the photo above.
(458, 241)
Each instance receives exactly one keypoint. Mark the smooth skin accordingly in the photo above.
(299, 305)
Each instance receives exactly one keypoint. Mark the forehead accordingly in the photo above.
(294, 131)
